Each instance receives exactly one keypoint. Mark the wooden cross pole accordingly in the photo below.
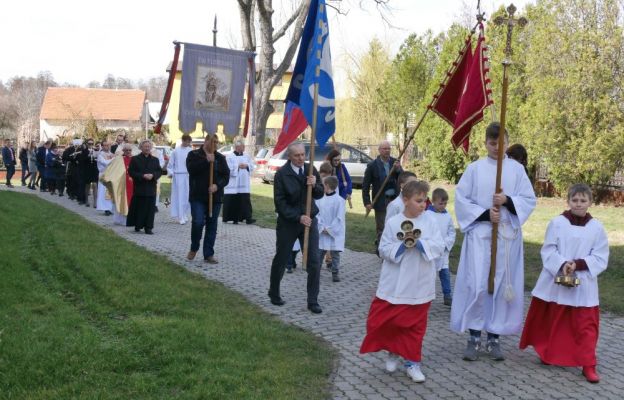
(510, 21)
(211, 149)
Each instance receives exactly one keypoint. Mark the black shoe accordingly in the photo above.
(277, 301)
(315, 308)
(81, 203)
(235, 222)
(137, 229)
(155, 209)
(289, 270)
(335, 277)
(149, 232)
(251, 221)
(108, 213)
(23, 183)
(61, 195)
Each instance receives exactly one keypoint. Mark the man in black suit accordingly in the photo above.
(289, 195)
(144, 169)
(198, 166)
(375, 174)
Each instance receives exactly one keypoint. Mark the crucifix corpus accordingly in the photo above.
(510, 21)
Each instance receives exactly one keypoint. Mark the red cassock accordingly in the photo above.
(397, 328)
(562, 335)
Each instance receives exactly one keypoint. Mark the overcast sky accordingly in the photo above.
(80, 41)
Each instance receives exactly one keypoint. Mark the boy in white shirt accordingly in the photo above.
(397, 206)
(331, 224)
(439, 199)
(562, 322)
(397, 319)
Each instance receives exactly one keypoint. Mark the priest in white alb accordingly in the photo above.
(237, 198)
(176, 170)
(476, 207)
(104, 199)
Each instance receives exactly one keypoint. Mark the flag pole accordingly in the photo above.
(306, 232)
(412, 131)
(510, 22)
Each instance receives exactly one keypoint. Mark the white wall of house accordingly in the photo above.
(52, 129)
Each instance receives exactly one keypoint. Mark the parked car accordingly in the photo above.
(353, 159)
(262, 159)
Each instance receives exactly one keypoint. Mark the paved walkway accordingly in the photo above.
(245, 254)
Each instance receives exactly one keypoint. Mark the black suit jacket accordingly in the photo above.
(140, 165)
(289, 192)
(374, 175)
(199, 175)
(42, 152)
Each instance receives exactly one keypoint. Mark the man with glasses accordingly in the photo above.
(375, 174)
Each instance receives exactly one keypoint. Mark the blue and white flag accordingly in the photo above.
(213, 83)
(314, 54)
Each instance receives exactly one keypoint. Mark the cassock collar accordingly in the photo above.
(576, 220)
(430, 207)
(236, 153)
(330, 193)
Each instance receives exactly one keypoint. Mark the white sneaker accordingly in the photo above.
(182, 222)
(392, 362)
(415, 373)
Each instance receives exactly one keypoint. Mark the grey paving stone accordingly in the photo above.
(245, 254)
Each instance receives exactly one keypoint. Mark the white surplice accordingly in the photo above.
(473, 308)
(180, 207)
(331, 217)
(103, 203)
(395, 207)
(447, 229)
(567, 242)
(410, 277)
(240, 178)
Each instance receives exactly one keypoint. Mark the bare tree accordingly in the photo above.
(269, 70)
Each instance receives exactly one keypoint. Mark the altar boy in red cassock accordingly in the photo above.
(397, 319)
(562, 323)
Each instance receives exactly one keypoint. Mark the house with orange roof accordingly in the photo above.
(65, 111)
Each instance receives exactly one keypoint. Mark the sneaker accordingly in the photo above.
(494, 350)
(211, 260)
(448, 301)
(472, 349)
(392, 362)
(414, 372)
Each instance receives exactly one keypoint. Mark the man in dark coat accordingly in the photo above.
(69, 159)
(375, 174)
(289, 195)
(198, 166)
(144, 169)
(8, 158)
(89, 173)
(42, 152)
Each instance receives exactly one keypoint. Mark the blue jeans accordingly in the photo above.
(445, 281)
(200, 218)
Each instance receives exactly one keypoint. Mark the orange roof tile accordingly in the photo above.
(102, 104)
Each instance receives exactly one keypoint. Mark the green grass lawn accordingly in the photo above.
(361, 234)
(87, 315)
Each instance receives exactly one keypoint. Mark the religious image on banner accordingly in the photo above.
(213, 88)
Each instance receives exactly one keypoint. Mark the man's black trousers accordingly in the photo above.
(287, 232)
